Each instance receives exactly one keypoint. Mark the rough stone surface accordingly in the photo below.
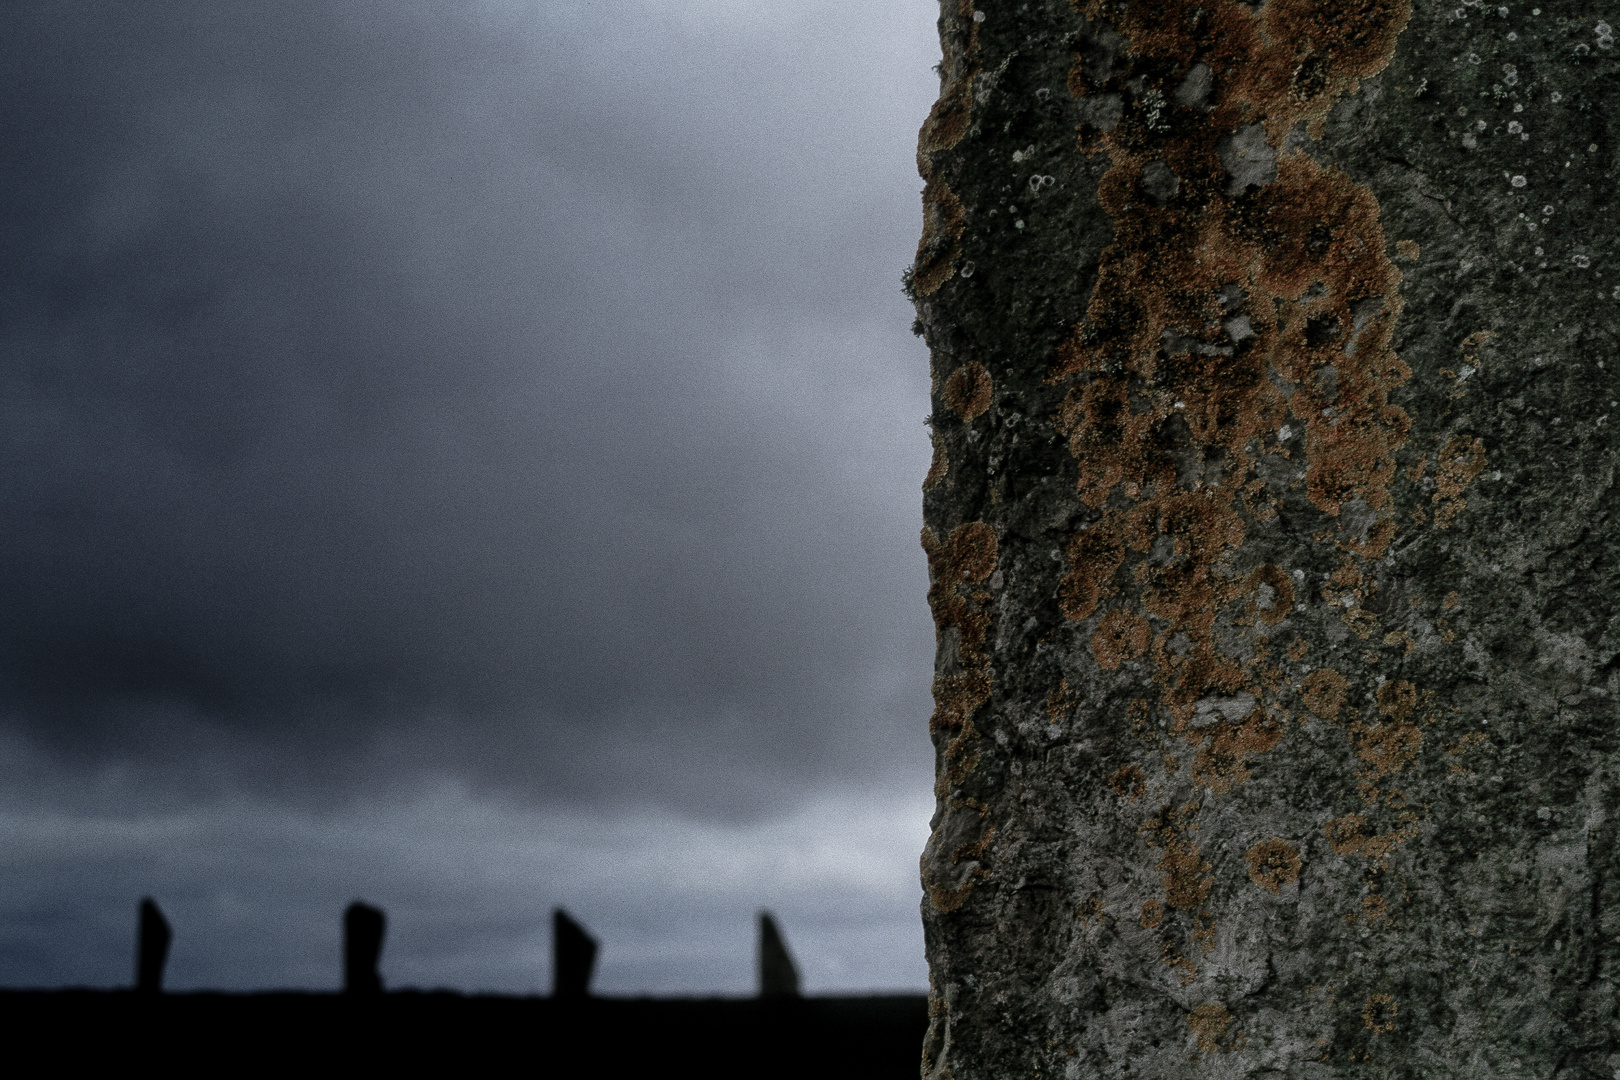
(1271, 539)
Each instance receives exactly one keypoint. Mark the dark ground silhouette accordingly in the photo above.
(845, 1037)
(778, 1034)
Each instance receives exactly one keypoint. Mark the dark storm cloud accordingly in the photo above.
(519, 392)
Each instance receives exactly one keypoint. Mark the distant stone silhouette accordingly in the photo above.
(778, 978)
(573, 957)
(363, 929)
(152, 939)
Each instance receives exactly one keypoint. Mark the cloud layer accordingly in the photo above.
(513, 399)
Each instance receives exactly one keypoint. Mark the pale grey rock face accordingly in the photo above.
(1272, 542)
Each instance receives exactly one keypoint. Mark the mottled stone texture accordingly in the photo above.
(1272, 540)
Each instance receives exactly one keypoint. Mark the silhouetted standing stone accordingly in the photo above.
(363, 928)
(151, 948)
(573, 957)
(778, 978)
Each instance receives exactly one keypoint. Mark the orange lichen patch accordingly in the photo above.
(1380, 1012)
(1094, 556)
(1385, 748)
(1324, 692)
(1210, 1023)
(1058, 703)
(1093, 909)
(952, 114)
(1374, 908)
(944, 220)
(961, 619)
(1172, 958)
(1204, 931)
(1205, 303)
(1273, 592)
(1462, 746)
(1408, 250)
(1346, 835)
(1222, 763)
(949, 898)
(948, 121)
(1152, 914)
(1121, 636)
(938, 467)
(1298, 649)
(1461, 461)
(1273, 863)
(1397, 698)
(957, 567)
(1452, 602)
(1470, 346)
(1128, 782)
(968, 391)
(1187, 883)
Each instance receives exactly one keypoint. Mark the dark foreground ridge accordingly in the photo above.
(854, 1037)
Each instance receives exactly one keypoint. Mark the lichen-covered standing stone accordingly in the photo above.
(1271, 539)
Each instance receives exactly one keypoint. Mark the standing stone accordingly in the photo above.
(363, 930)
(573, 957)
(1272, 539)
(152, 938)
(778, 977)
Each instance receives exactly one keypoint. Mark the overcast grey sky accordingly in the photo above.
(464, 456)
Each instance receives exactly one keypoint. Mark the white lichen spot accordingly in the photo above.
(1546, 211)
(1617, 292)
(1502, 11)
(1470, 140)
(1462, 110)
(1544, 813)
(1285, 432)
(1514, 127)
(1464, 372)
(978, 16)
(1591, 148)
(1557, 97)
(1473, 58)
(1512, 36)
(1582, 49)
(1540, 252)
(968, 268)
(1519, 181)
(1019, 224)
(1581, 261)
